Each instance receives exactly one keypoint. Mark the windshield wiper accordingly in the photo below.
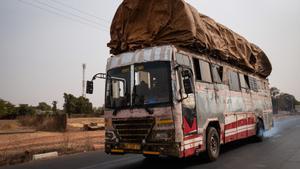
(139, 102)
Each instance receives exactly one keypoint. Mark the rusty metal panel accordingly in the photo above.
(159, 53)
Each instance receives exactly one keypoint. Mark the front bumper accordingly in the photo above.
(164, 149)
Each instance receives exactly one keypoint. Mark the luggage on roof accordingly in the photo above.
(138, 24)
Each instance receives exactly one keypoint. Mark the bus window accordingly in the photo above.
(197, 69)
(202, 70)
(258, 84)
(244, 81)
(253, 84)
(263, 85)
(205, 71)
(217, 73)
(234, 81)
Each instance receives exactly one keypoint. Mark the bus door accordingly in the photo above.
(189, 115)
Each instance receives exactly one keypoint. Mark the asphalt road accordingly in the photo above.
(280, 150)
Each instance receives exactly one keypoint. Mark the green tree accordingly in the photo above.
(74, 105)
(24, 109)
(70, 104)
(7, 110)
(54, 106)
(3, 108)
(98, 111)
(44, 106)
(84, 106)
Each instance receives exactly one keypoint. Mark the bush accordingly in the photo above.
(56, 122)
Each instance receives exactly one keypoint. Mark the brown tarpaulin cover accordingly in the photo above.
(144, 23)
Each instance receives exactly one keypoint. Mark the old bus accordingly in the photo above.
(168, 101)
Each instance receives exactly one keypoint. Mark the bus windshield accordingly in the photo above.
(151, 85)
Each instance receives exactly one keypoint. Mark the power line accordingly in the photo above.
(69, 13)
(61, 15)
(81, 11)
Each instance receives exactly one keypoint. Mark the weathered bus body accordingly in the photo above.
(178, 103)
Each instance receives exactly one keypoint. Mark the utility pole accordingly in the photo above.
(83, 79)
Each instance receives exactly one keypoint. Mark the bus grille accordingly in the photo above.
(133, 130)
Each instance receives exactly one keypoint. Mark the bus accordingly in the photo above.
(169, 101)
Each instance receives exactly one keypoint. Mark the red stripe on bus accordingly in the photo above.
(240, 135)
(192, 136)
(230, 126)
(239, 123)
(188, 152)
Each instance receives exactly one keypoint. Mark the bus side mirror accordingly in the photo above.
(89, 87)
(187, 83)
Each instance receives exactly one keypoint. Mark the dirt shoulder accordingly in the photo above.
(16, 147)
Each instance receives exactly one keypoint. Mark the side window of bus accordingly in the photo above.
(217, 73)
(202, 70)
(253, 84)
(234, 83)
(263, 85)
(244, 81)
(197, 69)
(258, 84)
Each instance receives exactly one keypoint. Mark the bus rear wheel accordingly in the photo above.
(212, 144)
(259, 131)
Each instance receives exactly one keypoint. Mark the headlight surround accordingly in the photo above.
(110, 135)
(165, 135)
(161, 135)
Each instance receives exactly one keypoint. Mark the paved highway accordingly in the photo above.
(280, 150)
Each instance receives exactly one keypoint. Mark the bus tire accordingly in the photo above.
(259, 137)
(212, 144)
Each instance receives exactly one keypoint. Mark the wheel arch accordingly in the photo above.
(215, 124)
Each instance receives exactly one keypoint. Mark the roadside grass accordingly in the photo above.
(9, 125)
(19, 147)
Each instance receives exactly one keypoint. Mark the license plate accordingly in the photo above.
(132, 146)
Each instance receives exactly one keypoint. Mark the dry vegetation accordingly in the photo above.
(56, 122)
(12, 125)
(77, 123)
(20, 147)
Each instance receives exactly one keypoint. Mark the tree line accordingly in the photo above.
(283, 101)
(72, 105)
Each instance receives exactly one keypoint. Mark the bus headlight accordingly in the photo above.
(110, 135)
(161, 135)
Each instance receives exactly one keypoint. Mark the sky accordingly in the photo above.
(43, 43)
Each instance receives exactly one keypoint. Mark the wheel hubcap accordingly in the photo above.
(213, 144)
